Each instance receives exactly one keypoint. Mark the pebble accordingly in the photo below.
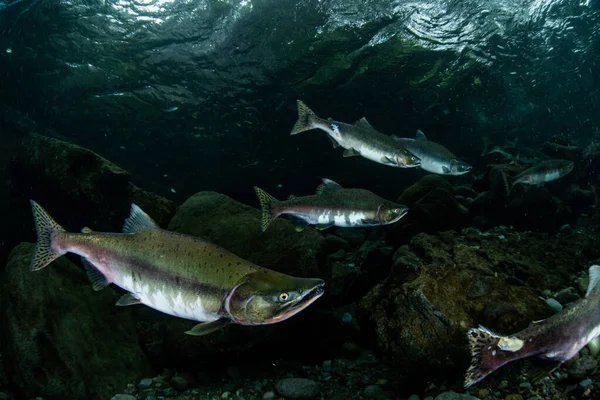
(297, 388)
(3, 396)
(513, 397)
(347, 318)
(525, 385)
(327, 365)
(582, 366)
(567, 295)
(554, 304)
(269, 396)
(413, 397)
(483, 393)
(373, 392)
(179, 383)
(338, 255)
(586, 383)
(452, 395)
(145, 383)
(225, 395)
(123, 397)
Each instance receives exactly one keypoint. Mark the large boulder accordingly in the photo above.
(62, 340)
(442, 285)
(237, 227)
(76, 185)
(433, 208)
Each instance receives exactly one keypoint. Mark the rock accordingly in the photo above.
(269, 396)
(60, 338)
(336, 242)
(179, 383)
(432, 208)
(451, 395)
(123, 397)
(567, 295)
(297, 388)
(4, 396)
(236, 227)
(586, 383)
(513, 396)
(420, 314)
(145, 383)
(77, 186)
(554, 304)
(584, 364)
(374, 392)
(352, 236)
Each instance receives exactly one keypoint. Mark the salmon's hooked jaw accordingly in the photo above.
(295, 306)
(389, 214)
(406, 159)
(270, 297)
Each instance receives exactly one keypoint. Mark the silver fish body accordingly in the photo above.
(332, 206)
(359, 139)
(545, 171)
(434, 157)
(557, 338)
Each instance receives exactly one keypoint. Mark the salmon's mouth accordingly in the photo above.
(298, 305)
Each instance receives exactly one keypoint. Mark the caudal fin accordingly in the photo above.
(46, 229)
(484, 349)
(306, 118)
(267, 205)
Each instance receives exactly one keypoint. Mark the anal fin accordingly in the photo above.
(128, 299)
(351, 153)
(98, 280)
(334, 142)
(204, 328)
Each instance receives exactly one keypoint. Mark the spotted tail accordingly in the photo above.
(306, 119)
(268, 206)
(47, 229)
(486, 356)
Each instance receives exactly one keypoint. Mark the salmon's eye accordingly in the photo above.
(283, 296)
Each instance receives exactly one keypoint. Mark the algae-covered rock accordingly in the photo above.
(62, 340)
(444, 284)
(236, 227)
(432, 208)
(77, 186)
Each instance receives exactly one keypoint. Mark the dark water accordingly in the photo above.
(193, 96)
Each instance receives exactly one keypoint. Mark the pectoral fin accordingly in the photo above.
(204, 328)
(351, 153)
(128, 299)
(388, 161)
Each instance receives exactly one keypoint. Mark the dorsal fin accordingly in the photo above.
(594, 278)
(328, 186)
(420, 135)
(138, 221)
(364, 124)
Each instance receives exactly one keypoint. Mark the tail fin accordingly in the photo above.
(305, 120)
(267, 203)
(485, 355)
(46, 229)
